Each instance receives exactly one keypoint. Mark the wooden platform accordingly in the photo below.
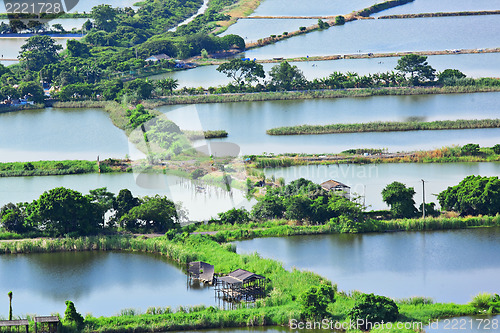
(13, 323)
(47, 324)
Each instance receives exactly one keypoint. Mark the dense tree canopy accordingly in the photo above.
(418, 68)
(369, 309)
(400, 199)
(39, 51)
(285, 76)
(474, 195)
(242, 70)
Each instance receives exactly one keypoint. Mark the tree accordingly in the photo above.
(450, 74)
(71, 317)
(322, 24)
(234, 216)
(77, 49)
(242, 70)
(155, 214)
(285, 77)
(104, 17)
(10, 304)
(339, 20)
(268, 207)
(12, 218)
(315, 301)
(229, 41)
(124, 202)
(417, 67)
(496, 148)
(102, 199)
(39, 51)
(297, 207)
(142, 88)
(32, 90)
(474, 195)
(16, 25)
(58, 27)
(400, 199)
(62, 211)
(470, 149)
(369, 309)
(87, 26)
(167, 84)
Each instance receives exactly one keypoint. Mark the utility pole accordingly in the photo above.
(423, 199)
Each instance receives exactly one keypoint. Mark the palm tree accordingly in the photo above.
(167, 84)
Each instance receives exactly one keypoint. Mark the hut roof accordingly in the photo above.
(329, 184)
(244, 276)
(201, 270)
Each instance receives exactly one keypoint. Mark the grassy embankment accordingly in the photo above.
(46, 168)
(441, 155)
(277, 309)
(281, 228)
(389, 126)
(441, 14)
(313, 94)
(241, 8)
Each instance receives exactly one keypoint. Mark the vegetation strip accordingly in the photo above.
(312, 94)
(466, 13)
(282, 305)
(386, 127)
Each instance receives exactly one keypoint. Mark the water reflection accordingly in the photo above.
(437, 264)
(99, 282)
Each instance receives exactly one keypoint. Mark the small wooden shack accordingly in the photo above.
(240, 285)
(336, 186)
(15, 323)
(48, 324)
(202, 271)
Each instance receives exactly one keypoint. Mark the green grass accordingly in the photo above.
(46, 168)
(313, 94)
(278, 308)
(386, 127)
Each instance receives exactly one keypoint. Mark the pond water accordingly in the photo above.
(60, 134)
(253, 29)
(434, 6)
(201, 204)
(10, 47)
(101, 283)
(472, 65)
(368, 181)
(247, 122)
(310, 8)
(420, 34)
(449, 266)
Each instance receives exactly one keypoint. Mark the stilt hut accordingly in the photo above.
(48, 324)
(15, 323)
(240, 285)
(202, 271)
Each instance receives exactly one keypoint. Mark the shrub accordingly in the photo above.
(71, 317)
(496, 148)
(315, 300)
(234, 215)
(369, 309)
(482, 301)
(339, 20)
(302, 28)
(470, 149)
